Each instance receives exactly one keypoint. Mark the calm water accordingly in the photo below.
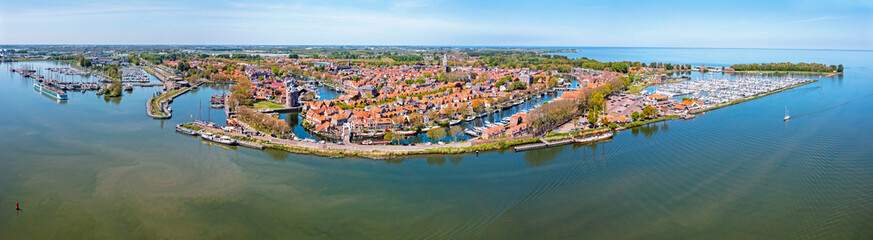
(95, 168)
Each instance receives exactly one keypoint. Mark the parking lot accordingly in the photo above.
(623, 105)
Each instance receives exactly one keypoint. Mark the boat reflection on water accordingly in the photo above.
(57, 100)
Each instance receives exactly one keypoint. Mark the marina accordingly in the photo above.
(717, 91)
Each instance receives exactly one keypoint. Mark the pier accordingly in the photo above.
(544, 144)
(163, 102)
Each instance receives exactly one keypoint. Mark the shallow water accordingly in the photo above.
(95, 168)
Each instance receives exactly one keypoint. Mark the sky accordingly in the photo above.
(801, 24)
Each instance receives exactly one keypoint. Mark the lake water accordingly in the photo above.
(98, 168)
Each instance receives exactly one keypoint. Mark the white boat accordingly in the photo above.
(219, 139)
(471, 118)
(407, 133)
(594, 138)
(786, 114)
(471, 132)
(430, 128)
(455, 122)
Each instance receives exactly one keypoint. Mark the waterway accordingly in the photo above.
(92, 168)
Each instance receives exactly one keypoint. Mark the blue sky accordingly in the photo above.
(805, 24)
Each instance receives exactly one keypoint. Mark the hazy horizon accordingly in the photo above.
(812, 25)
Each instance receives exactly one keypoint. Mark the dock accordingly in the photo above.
(250, 145)
(166, 112)
(544, 144)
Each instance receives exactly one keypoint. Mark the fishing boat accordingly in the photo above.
(55, 93)
(219, 139)
(591, 139)
(407, 133)
(786, 114)
(184, 130)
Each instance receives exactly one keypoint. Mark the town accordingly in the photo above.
(424, 99)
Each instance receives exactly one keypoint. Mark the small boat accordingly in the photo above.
(591, 139)
(471, 132)
(187, 131)
(128, 87)
(371, 142)
(688, 116)
(454, 122)
(786, 114)
(219, 139)
(471, 118)
(407, 133)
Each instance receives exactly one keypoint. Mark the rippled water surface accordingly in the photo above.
(100, 168)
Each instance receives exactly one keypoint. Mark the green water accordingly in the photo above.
(96, 168)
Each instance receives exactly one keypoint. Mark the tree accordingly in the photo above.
(454, 131)
(519, 85)
(84, 62)
(478, 105)
(183, 66)
(840, 68)
(619, 67)
(635, 115)
(464, 110)
(596, 102)
(391, 136)
(499, 83)
(649, 112)
(553, 81)
(416, 120)
(449, 111)
(433, 115)
(592, 118)
(436, 134)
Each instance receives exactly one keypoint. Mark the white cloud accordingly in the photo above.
(812, 20)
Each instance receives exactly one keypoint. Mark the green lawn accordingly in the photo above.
(267, 105)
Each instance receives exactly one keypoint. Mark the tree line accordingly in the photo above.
(787, 66)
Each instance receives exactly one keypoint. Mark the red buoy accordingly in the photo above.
(16, 206)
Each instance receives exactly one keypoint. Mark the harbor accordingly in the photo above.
(104, 163)
(718, 91)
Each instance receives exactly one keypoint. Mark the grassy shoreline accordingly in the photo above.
(384, 155)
